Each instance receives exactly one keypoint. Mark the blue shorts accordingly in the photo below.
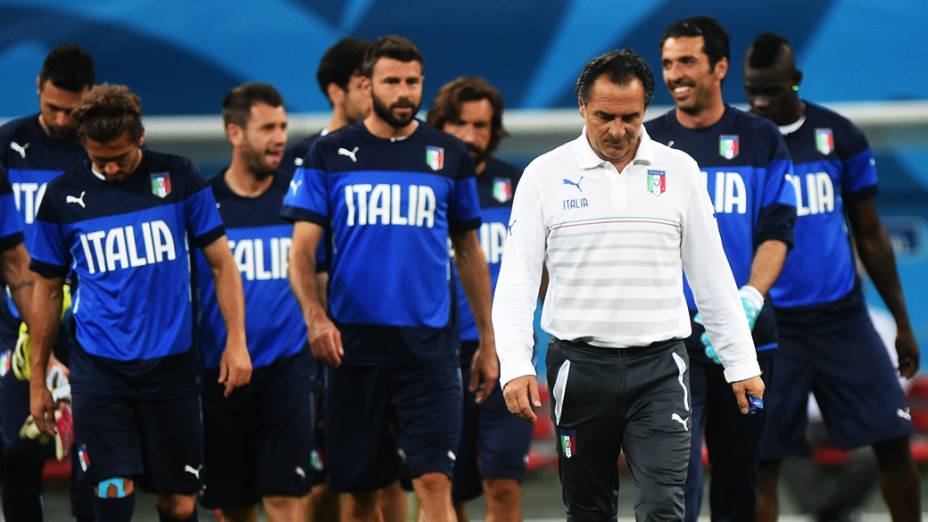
(375, 415)
(494, 443)
(835, 353)
(157, 442)
(258, 441)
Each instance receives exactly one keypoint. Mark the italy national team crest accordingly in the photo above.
(728, 146)
(568, 443)
(657, 182)
(435, 157)
(161, 184)
(502, 189)
(82, 457)
(824, 141)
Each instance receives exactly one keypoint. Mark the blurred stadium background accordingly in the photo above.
(862, 58)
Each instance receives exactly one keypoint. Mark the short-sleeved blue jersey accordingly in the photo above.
(832, 164)
(389, 205)
(127, 245)
(745, 163)
(495, 186)
(260, 242)
(11, 229)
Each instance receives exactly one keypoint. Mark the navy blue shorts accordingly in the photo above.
(494, 443)
(318, 383)
(836, 354)
(258, 441)
(159, 443)
(375, 415)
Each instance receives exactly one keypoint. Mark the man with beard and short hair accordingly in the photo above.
(744, 163)
(826, 335)
(342, 83)
(257, 442)
(494, 444)
(34, 150)
(391, 190)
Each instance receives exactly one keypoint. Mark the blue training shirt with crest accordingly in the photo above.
(389, 206)
(495, 185)
(127, 245)
(745, 163)
(833, 164)
(260, 242)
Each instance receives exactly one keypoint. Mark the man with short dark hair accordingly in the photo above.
(34, 150)
(744, 163)
(391, 190)
(826, 335)
(257, 442)
(615, 217)
(494, 444)
(121, 223)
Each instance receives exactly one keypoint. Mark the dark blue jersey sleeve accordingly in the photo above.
(464, 208)
(860, 179)
(49, 251)
(203, 221)
(306, 198)
(11, 229)
(778, 208)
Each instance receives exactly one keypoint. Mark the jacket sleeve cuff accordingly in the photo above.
(742, 371)
(512, 370)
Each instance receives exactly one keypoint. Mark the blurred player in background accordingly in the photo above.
(494, 444)
(34, 150)
(257, 441)
(744, 162)
(391, 190)
(828, 342)
(121, 223)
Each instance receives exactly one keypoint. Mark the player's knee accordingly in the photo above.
(502, 491)
(115, 487)
(178, 507)
(432, 485)
(894, 455)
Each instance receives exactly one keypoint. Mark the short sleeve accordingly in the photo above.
(11, 227)
(860, 178)
(306, 197)
(464, 207)
(202, 217)
(49, 251)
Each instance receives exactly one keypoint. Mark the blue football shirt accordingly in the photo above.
(745, 163)
(127, 245)
(833, 163)
(495, 186)
(260, 242)
(389, 206)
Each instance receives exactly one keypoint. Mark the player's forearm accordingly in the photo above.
(306, 283)
(44, 320)
(475, 279)
(20, 280)
(876, 254)
(230, 296)
(767, 265)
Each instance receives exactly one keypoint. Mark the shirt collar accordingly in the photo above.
(588, 159)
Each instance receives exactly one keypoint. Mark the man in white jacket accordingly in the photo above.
(616, 218)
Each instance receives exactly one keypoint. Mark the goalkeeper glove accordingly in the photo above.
(22, 354)
(752, 302)
(57, 382)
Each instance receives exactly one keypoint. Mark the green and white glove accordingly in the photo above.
(751, 301)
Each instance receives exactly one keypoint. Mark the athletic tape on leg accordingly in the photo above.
(118, 483)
